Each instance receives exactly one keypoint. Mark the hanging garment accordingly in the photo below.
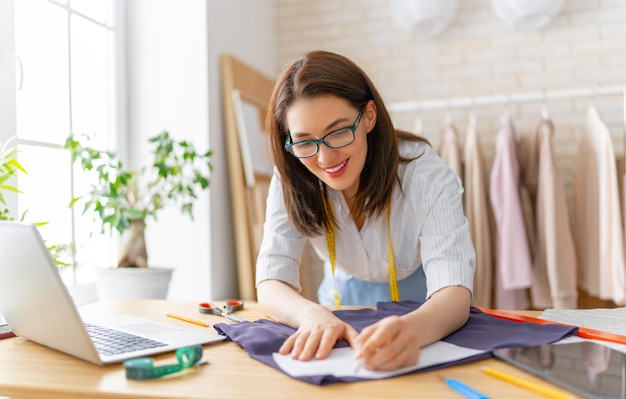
(513, 261)
(554, 263)
(477, 213)
(599, 235)
(449, 149)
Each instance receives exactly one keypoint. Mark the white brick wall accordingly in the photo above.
(584, 47)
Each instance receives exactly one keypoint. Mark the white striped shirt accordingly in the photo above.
(428, 229)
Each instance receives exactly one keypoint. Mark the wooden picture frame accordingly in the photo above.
(243, 84)
(246, 97)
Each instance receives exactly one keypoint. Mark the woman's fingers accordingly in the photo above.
(378, 335)
(351, 335)
(398, 353)
(287, 346)
(329, 338)
(317, 340)
(388, 345)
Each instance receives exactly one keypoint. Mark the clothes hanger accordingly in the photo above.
(592, 112)
(472, 115)
(545, 115)
(447, 118)
(418, 124)
(507, 111)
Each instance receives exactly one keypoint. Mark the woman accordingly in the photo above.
(379, 207)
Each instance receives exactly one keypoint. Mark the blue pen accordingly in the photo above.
(465, 390)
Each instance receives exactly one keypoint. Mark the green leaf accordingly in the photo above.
(10, 188)
(74, 200)
(17, 165)
(5, 177)
(134, 214)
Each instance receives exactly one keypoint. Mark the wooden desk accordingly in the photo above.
(28, 370)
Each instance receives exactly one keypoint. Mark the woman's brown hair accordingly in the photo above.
(323, 73)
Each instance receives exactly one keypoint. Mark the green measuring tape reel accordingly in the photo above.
(143, 368)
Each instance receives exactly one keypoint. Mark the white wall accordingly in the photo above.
(244, 28)
(174, 84)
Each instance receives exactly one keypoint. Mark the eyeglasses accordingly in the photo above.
(336, 139)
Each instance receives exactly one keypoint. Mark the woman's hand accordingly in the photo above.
(316, 336)
(388, 344)
(318, 329)
(395, 341)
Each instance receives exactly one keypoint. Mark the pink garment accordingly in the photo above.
(555, 256)
(598, 217)
(513, 261)
(477, 213)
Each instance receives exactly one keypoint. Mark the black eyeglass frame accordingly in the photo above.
(289, 145)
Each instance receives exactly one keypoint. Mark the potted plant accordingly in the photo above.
(124, 199)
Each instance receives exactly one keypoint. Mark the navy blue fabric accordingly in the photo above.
(482, 331)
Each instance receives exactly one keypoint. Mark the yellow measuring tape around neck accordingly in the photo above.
(394, 292)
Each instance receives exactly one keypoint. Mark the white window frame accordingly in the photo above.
(9, 75)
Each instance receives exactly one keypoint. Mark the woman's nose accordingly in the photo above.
(325, 153)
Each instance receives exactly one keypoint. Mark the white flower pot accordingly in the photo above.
(133, 283)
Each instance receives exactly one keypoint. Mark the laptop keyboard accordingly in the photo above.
(113, 342)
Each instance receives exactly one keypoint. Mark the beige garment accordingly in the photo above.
(478, 217)
(554, 263)
(449, 149)
(599, 235)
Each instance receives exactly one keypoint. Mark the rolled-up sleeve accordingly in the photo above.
(282, 245)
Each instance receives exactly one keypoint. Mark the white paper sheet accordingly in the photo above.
(342, 363)
(611, 320)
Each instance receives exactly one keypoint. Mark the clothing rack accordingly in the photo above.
(463, 102)
(535, 96)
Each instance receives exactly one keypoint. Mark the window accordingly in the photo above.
(62, 57)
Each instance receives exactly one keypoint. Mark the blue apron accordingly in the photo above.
(356, 292)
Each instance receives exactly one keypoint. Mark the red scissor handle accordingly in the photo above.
(207, 307)
(233, 305)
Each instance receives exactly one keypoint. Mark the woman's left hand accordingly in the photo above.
(388, 344)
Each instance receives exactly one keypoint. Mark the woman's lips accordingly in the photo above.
(337, 170)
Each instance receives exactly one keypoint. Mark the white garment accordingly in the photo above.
(598, 217)
(427, 224)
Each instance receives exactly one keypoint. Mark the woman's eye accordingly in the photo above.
(340, 133)
(305, 144)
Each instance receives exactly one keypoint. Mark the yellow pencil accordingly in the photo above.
(187, 319)
(532, 386)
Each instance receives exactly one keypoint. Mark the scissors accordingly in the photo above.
(230, 307)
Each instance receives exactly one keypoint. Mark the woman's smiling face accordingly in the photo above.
(339, 168)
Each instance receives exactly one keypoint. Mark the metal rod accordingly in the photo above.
(461, 102)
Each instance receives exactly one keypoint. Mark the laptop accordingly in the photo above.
(37, 305)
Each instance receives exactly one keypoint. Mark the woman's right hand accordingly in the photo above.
(317, 335)
(318, 329)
